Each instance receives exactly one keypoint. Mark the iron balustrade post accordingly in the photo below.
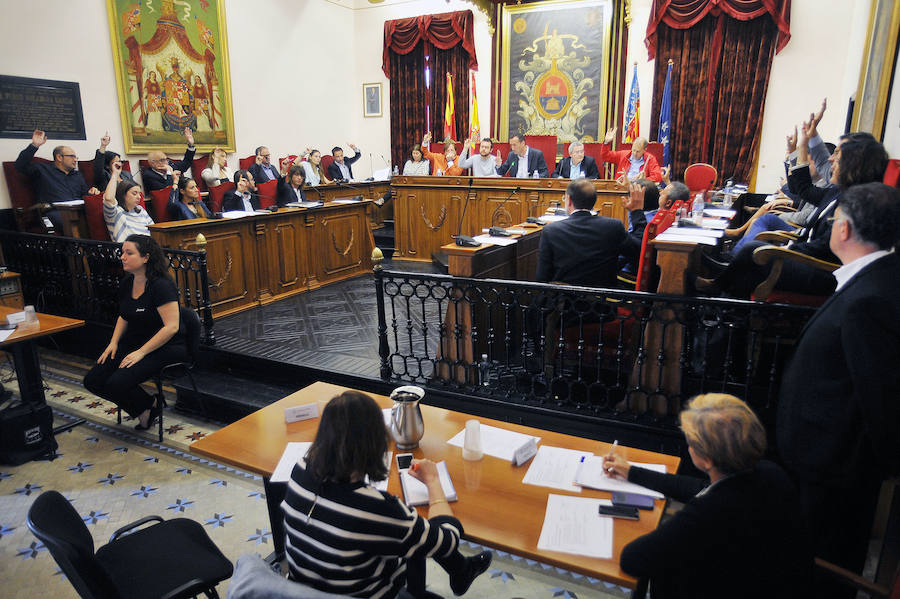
(384, 350)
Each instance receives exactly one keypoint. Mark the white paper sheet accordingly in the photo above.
(573, 525)
(237, 214)
(346, 201)
(293, 452)
(552, 218)
(4, 333)
(591, 474)
(311, 204)
(510, 230)
(497, 442)
(69, 203)
(495, 240)
(715, 223)
(691, 231)
(416, 493)
(719, 212)
(555, 467)
(686, 239)
(386, 412)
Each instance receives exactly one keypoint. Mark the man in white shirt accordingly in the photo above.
(484, 164)
(523, 162)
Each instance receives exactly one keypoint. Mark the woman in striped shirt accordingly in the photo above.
(346, 537)
(121, 207)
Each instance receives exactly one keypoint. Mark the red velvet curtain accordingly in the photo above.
(449, 41)
(719, 81)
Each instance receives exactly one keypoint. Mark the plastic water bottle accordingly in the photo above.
(396, 170)
(728, 198)
(484, 371)
(697, 209)
(535, 175)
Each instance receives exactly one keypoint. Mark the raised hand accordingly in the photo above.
(498, 159)
(104, 141)
(792, 141)
(665, 171)
(426, 139)
(352, 147)
(38, 138)
(623, 180)
(189, 136)
(176, 175)
(635, 199)
(115, 167)
(812, 129)
(610, 135)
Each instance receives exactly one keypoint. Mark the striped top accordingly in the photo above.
(121, 224)
(356, 539)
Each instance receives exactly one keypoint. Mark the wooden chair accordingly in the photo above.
(700, 177)
(777, 255)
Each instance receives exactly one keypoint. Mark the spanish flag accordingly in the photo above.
(474, 128)
(449, 113)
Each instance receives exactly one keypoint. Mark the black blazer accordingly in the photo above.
(743, 538)
(284, 194)
(839, 403)
(588, 168)
(153, 180)
(232, 200)
(334, 172)
(814, 239)
(584, 249)
(536, 162)
(257, 172)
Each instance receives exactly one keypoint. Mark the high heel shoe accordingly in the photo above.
(155, 412)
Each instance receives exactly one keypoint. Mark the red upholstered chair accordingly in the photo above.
(700, 177)
(503, 146)
(159, 204)
(892, 173)
(22, 197)
(217, 193)
(547, 145)
(197, 167)
(267, 192)
(327, 159)
(86, 168)
(661, 221)
(246, 163)
(93, 212)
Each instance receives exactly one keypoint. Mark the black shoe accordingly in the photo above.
(475, 567)
(155, 413)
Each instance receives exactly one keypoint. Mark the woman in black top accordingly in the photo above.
(147, 335)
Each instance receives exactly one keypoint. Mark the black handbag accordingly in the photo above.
(26, 433)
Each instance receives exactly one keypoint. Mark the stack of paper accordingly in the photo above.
(416, 493)
(573, 525)
(495, 240)
(497, 442)
(591, 474)
(237, 214)
(702, 239)
(293, 453)
(555, 467)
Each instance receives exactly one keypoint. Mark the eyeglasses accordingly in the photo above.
(69, 155)
(264, 155)
(833, 219)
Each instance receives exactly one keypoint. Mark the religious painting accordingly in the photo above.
(171, 63)
(554, 72)
(371, 100)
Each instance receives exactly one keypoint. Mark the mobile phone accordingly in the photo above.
(620, 511)
(404, 461)
(5, 326)
(644, 502)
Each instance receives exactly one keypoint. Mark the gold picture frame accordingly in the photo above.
(879, 56)
(172, 72)
(372, 107)
(555, 85)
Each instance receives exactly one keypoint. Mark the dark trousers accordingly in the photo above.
(454, 565)
(840, 523)
(122, 386)
(743, 275)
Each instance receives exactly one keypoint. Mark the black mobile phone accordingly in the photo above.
(5, 326)
(620, 511)
(404, 461)
(644, 502)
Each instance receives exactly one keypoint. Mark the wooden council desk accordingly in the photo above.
(495, 507)
(269, 256)
(427, 209)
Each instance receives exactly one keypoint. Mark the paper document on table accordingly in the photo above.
(686, 238)
(494, 240)
(510, 230)
(416, 493)
(715, 223)
(311, 204)
(573, 525)
(719, 212)
(497, 442)
(591, 474)
(386, 413)
(237, 214)
(552, 218)
(382, 484)
(4, 333)
(555, 467)
(69, 203)
(293, 453)
(689, 231)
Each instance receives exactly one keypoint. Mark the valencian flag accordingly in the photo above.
(665, 118)
(633, 112)
(449, 113)
(474, 128)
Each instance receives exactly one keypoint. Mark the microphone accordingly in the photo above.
(318, 191)
(465, 240)
(344, 185)
(383, 159)
(497, 209)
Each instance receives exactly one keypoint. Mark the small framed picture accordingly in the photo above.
(371, 100)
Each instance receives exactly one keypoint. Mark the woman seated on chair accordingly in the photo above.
(740, 534)
(184, 199)
(312, 167)
(416, 165)
(290, 186)
(147, 335)
(121, 207)
(343, 535)
(216, 171)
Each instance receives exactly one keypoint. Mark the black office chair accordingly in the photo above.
(172, 558)
(190, 321)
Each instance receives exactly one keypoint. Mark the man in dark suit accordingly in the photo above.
(262, 169)
(159, 175)
(838, 413)
(576, 165)
(523, 161)
(584, 249)
(240, 198)
(341, 169)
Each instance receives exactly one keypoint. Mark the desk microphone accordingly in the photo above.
(465, 240)
(318, 191)
(343, 185)
(497, 209)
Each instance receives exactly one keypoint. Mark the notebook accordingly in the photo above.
(416, 493)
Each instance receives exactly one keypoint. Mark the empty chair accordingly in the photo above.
(700, 176)
(170, 558)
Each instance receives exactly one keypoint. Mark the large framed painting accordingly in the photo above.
(171, 63)
(554, 69)
(879, 57)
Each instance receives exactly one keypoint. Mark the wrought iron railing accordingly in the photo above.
(598, 353)
(80, 278)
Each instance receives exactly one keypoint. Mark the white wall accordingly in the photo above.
(297, 68)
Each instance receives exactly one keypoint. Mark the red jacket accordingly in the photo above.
(622, 162)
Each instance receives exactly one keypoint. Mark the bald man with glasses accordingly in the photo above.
(159, 175)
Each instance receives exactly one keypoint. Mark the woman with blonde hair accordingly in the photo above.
(216, 171)
(739, 534)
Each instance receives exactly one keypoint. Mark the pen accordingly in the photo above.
(615, 444)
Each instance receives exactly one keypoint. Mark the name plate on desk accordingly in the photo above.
(525, 453)
(298, 413)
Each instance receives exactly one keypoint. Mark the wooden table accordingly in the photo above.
(495, 508)
(22, 346)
